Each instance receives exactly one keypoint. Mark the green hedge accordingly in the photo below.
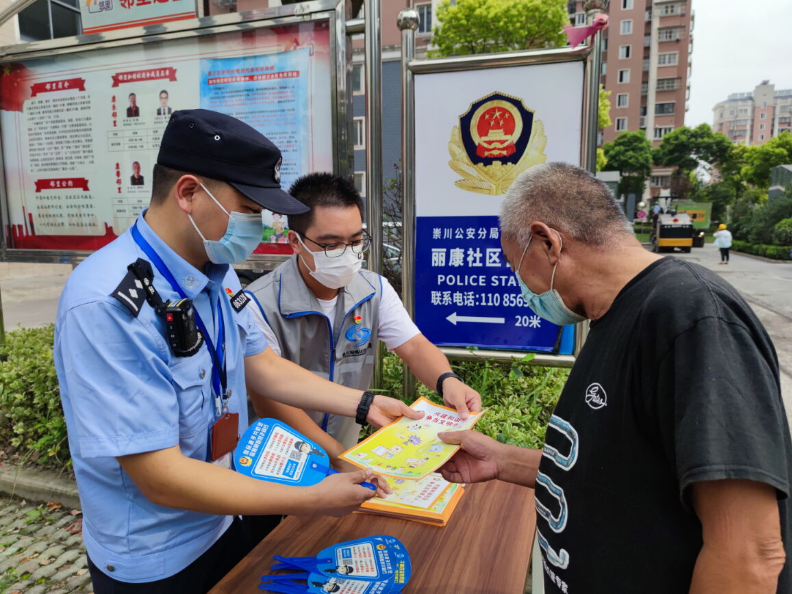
(774, 252)
(32, 429)
(31, 418)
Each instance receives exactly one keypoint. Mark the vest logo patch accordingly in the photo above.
(596, 397)
(358, 335)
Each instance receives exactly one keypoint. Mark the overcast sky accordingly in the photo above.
(736, 45)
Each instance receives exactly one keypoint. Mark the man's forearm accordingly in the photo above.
(169, 478)
(718, 572)
(424, 359)
(518, 465)
(283, 381)
(297, 419)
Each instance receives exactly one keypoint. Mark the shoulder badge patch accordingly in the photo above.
(497, 139)
(238, 301)
(131, 293)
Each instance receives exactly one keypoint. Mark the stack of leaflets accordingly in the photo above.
(408, 452)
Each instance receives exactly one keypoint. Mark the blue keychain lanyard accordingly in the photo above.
(219, 377)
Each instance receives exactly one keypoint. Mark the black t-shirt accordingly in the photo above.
(677, 383)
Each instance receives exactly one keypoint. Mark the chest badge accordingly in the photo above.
(238, 301)
(596, 397)
(357, 334)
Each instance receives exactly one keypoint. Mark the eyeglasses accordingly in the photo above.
(336, 249)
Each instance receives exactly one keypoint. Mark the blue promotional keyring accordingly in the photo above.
(272, 451)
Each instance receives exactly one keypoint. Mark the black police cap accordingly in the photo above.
(221, 147)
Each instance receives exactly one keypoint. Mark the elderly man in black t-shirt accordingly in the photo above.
(667, 460)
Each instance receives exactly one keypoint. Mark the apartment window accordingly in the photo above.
(357, 79)
(50, 19)
(764, 104)
(621, 124)
(425, 18)
(645, 88)
(622, 100)
(659, 133)
(667, 84)
(360, 182)
(642, 122)
(645, 65)
(648, 14)
(660, 181)
(761, 126)
(761, 137)
(580, 19)
(624, 52)
(664, 108)
(669, 59)
(744, 110)
(642, 110)
(668, 34)
(360, 133)
(624, 75)
(626, 27)
(627, 4)
(762, 116)
(669, 9)
(604, 68)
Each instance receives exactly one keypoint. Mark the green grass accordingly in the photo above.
(642, 237)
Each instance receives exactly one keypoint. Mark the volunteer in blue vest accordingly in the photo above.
(153, 408)
(320, 310)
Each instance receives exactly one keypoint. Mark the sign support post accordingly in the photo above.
(408, 24)
(373, 25)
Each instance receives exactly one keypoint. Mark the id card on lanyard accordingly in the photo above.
(225, 429)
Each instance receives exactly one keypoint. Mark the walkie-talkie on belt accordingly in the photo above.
(183, 335)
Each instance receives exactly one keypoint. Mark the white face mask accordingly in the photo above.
(334, 272)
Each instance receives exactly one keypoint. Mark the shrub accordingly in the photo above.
(775, 252)
(31, 417)
(520, 397)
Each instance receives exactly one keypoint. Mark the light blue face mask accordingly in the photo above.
(549, 304)
(242, 236)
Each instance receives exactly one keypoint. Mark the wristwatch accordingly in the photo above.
(363, 408)
(443, 378)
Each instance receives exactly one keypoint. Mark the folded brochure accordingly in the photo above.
(437, 514)
(410, 448)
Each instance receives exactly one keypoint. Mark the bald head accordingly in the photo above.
(566, 198)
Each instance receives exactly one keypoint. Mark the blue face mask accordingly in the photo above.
(549, 304)
(242, 236)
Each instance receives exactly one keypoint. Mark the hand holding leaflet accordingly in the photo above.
(409, 448)
(272, 451)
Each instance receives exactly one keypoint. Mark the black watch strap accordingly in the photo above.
(443, 378)
(363, 408)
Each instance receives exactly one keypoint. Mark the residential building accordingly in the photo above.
(646, 64)
(755, 117)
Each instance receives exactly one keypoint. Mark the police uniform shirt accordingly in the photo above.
(124, 392)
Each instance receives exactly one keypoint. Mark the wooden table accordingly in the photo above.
(486, 546)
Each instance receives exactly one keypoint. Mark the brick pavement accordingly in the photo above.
(41, 549)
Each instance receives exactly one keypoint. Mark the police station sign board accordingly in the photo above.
(470, 147)
(99, 16)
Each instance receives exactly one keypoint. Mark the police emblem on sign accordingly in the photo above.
(497, 139)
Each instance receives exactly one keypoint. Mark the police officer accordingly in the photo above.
(321, 311)
(154, 409)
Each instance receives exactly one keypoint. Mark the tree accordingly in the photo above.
(759, 160)
(631, 155)
(602, 160)
(604, 119)
(486, 26)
